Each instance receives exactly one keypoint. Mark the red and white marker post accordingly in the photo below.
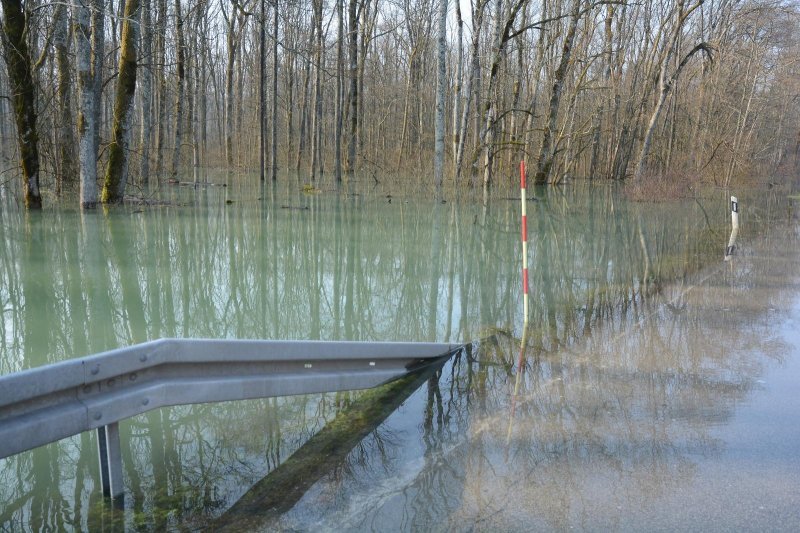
(524, 341)
(524, 244)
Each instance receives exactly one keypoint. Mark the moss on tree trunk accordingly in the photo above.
(18, 63)
(117, 169)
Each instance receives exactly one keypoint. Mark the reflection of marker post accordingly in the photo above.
(734, 228)
(518, 379)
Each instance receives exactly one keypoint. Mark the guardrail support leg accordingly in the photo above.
(110, 460)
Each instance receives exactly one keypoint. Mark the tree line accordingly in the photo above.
(106, 95)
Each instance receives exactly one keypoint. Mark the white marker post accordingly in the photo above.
(734, 228)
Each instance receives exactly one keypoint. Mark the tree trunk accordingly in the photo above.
(739, 132)
(161, 139)
(337, 145)
(648, 136)
(290, 65)
(516, 152)
(368, 30)
(66, 163)
(3, 126)
(146, 93)
(316, 129)
(192, 92)
(604, 96)
(665, 82)
(87, 148)
(406, 106)
(502, 35)
(547, 150)
(352, 23)
(229, 96)
(665, 85)
(473, 82)
(262, 94)
(180, 53)
(486, 138)
(303, 133)
(98, 63)
(438, 158)
(457, 96)
(239, 96)
(274, 136)
(20, 77)
(202, 97)
(118, 159)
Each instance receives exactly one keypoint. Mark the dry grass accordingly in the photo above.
(659, 188)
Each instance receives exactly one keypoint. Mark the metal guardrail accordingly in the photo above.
(45, 404)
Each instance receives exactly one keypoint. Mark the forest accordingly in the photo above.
(100, 99)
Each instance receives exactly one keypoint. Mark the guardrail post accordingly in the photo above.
(110, 460)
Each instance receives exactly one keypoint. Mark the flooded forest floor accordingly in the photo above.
(658, 387)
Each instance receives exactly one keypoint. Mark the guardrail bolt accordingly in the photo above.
(98, 416)
(143, 358)
(145, 401)
(96, 370)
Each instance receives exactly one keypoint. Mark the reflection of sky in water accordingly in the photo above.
(634, 412)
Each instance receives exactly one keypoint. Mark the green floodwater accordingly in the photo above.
(657, 389)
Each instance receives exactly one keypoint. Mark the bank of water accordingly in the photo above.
(656, 390)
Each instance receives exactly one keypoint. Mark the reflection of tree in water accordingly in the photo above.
(357, 269)
(617, 419)
(614, 418)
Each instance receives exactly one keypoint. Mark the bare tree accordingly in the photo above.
(86, 109)
(235, 16)
(666, 81)
(352, 48)
(459, 75)
(66, 163)
(161, 75)
(317, 166)
(274, 136)
(262, 91)
(118, 158)
(547, 149)
(503, 34)
(337, 143)
(98, 16)
(23, 90)
(180, 71)
(146, 92)
(473, 81)
(441, 86)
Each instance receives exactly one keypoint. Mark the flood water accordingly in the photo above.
(658, 389)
